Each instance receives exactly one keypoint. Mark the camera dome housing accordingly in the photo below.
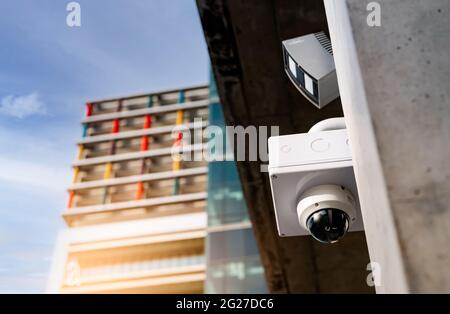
(328, 225)
(327, 212)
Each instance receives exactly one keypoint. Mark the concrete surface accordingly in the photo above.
(394, 82)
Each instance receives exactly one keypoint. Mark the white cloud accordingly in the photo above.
(22, 106)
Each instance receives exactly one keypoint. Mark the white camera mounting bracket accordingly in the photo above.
(299, 162)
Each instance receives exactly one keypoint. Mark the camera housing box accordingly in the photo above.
(309, 64)
(299, 162)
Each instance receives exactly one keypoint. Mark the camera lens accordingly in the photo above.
(328, 225)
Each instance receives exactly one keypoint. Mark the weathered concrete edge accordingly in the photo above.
(381, 234)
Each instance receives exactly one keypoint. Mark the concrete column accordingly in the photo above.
(395, 91)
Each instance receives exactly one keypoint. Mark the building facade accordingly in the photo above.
(233, 263)
(141, 219)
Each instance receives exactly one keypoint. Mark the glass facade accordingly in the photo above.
(233, 263)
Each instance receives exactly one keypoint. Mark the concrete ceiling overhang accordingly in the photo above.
(244, 43)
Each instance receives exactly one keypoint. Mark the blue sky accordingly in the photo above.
(47, 72)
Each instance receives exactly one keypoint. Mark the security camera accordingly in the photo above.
(309, 64)
(312, 182)
(327, 211)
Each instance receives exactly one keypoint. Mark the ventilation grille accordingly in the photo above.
(324, 41)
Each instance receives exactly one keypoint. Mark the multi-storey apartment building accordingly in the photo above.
(137, 215)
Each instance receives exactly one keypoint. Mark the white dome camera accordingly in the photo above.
(327, 211)
(313, 185)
